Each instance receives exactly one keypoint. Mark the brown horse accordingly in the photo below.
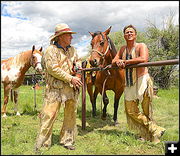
(103, 51)
(13, 72)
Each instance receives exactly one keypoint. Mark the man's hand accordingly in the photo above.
(76, 82)
(120, 63)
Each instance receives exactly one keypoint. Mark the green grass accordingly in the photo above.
(18, 134)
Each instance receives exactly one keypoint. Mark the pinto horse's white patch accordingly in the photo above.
(13, 70)
(11, 73)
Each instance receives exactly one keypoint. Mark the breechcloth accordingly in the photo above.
(48, 116)
(142, 122)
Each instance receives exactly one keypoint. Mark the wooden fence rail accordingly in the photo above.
(157, 63)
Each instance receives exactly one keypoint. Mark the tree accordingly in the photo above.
(163, 44)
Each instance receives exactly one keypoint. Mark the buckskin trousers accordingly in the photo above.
(142, 122)
(47, 119)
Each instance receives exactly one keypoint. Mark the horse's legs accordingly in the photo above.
(116, 105)
(6, 97)
(105, 101)
(94, 100)
(16, 102)
(91, 95)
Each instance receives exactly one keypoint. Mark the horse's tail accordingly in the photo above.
(12, 95)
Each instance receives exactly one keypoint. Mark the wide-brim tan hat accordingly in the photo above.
(61, 29)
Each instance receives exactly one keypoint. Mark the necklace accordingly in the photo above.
(129, 52)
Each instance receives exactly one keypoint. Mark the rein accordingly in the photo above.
(104, 87)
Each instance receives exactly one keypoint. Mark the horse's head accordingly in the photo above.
(100, 47)
(36, 59)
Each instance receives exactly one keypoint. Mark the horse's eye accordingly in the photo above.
(101, 43)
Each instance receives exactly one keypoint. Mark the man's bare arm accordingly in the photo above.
(143, 55)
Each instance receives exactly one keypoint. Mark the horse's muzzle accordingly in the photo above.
(39, 70)
(93, 63)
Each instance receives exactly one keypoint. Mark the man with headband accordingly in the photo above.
(138, 87)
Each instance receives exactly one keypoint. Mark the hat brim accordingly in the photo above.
(60, 33)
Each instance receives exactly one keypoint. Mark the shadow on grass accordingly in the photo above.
(10, 114)
(118, 133)
(31, 113)
(55, 139)
(94, 122)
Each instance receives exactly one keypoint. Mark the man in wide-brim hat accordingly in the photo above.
(59, 30)
(62, 88)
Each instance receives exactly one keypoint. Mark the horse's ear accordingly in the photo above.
(33, 48)
(91, 33)
(108, 30)
(40, 49)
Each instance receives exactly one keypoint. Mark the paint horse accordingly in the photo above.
(103, 51)
(13, 72)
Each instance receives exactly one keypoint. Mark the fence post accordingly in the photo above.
(34, 87)
(83, 100)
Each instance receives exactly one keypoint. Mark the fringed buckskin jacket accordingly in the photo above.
(58, 65)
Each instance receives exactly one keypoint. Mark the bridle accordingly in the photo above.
(100, 53)
(33, 64)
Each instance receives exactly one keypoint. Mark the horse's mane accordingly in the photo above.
(114, 51)
(19, 59)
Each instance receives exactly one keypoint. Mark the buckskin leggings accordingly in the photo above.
(47, 119)
(141, 121)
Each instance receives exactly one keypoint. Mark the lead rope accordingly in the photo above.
(104, 88)
(106, 77)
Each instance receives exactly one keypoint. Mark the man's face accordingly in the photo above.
(129, 34)
(66, 38)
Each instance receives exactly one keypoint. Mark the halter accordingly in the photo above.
(36, 64)
(31, 63)
(100, 53)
